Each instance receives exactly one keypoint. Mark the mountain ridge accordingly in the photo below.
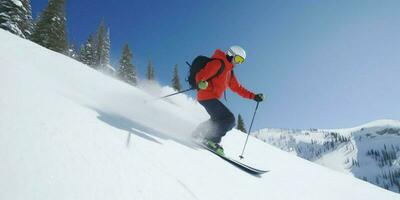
(370, 151)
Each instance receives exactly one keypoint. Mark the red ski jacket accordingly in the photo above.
(218, 85)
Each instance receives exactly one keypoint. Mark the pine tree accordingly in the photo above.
(88, 51)
(127, 70)
(175, 80)
(150, 71)
(84, 52)
(16, 17)
(103, 46)
(107, 49)
(50, 30)
(93, 51)
(100, 43)
(27, 25)
(72, 52)
(240, 124)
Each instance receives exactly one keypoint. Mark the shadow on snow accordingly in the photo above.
(123, 123)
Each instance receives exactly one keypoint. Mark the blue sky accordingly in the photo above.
(323, 64)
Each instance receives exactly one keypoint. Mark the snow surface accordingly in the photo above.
(17, 3)
(69, 132)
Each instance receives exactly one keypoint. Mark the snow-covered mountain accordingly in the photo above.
(370, 152)
(70, 132)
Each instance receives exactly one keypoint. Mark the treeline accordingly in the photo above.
(50, 31)
(335, 140)
(393, 178)
(385, 156)
(389, 180)
(389, 131)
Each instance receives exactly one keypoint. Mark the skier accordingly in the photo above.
(209, 92)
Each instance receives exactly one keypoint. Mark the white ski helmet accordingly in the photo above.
(237, 51)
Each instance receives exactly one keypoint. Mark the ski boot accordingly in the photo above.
(214, 146)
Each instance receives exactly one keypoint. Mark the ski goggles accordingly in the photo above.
(238, 59)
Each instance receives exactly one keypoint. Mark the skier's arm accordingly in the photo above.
(208, 71)
(236, 87)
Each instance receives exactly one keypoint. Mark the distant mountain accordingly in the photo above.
(370, 152)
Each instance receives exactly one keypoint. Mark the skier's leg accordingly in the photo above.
(222, 120)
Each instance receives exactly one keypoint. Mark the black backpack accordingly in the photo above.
(199, 63)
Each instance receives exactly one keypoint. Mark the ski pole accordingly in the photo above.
(183, 91)
(248, 132)
(163, 97)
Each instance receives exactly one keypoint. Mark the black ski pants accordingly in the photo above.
(221, 120)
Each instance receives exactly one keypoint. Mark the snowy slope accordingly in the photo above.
(370, 152)
(69, 132)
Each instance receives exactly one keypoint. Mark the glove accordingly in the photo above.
(259, 97)
(202, 85)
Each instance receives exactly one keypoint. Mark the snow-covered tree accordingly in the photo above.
(107, 48)
(103, 46)
(16, 17)
(72, 52)
(100, 43)
(175, 80)
(88, 51)
(82, 54)
(127, 70)
(27, 25)
(150, 71)
(240, 124)
(50, 30)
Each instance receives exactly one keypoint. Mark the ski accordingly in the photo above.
(238, 164)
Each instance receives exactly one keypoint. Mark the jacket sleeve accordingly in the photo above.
(237, 88)
(208, 71)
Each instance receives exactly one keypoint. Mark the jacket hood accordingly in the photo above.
(220, 55)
